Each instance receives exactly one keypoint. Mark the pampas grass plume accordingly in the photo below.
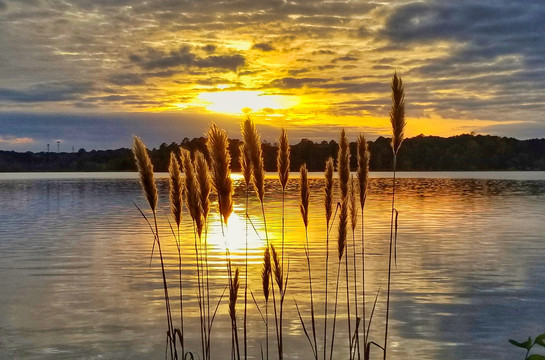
(352, 204)
(283, 158)
(145, 168)
(397, 113)
(218, 148)
(203, 178)
(266, 274)
(363, 169)
(192, 191)
(343, 165)
(278, 277)
(328, 189)
(252, 144)
(305, 193)
(245, 165)
(176, 187)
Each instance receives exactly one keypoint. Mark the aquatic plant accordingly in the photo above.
(529, 344)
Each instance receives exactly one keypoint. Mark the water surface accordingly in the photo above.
(77, 283)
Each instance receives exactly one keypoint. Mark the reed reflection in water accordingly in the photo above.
(75, 257)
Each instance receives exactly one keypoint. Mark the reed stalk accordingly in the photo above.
(283, 166)
(265, 280)
(252, 147)
(193, 203)
(202, 171)
(145, 169)
(246, 170)
(328, 203)
(363, 180)
(234, 284)
(176, 202)
(353, 222)
(397, 119)
(343, 170)
(304, 192)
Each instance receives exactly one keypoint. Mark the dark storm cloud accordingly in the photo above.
(49, 92)
(184, 57)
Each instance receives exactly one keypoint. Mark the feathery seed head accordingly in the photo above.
(176, 187)
(252, 145)
(343, 222)
(278, 276)
(283, 158)
(304, 191)
(245, 165)
(343, 165)
(234, 285)
(203, 178)
(145, 168)
(363, 169)
(218, 147)
(328, 189)
(266, 274)
(397, 113)
(192, 191)
(352, 204)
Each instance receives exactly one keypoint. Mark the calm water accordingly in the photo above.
(76, 280)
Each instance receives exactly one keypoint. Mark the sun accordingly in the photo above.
(236, 102)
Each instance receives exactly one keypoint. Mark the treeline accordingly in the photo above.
(421, 153)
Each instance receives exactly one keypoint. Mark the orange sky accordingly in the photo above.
(307, 64)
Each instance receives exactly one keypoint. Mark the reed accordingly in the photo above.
(246, 170)
(202, 172)
(304, 193)
(363, 181)
(176, 202)
(193, 203)
(218, 148)
(234, 284)
(343, 170)
(283, 165)
(252, 145)
(192, 191)
(266, 274)
(145, 169)
(353, 222)
(328, 203)
(397, 119)
(277, 276)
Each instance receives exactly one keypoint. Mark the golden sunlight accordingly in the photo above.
(234, 235)
(236, 102)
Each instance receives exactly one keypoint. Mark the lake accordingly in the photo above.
(76, 279)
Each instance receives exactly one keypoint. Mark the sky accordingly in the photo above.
(91, 73)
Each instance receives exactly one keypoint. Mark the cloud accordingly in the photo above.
(127, 79)
(184, 57)
(48, 92)
(263, 47)
(294, 83)
(13, 140)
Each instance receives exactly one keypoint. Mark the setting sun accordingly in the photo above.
(236, 102)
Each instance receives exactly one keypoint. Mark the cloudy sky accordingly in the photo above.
(91, 73)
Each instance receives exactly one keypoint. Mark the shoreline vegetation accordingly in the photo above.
(422, 153)
(200, 179)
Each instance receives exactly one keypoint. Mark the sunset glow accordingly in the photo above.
(307, 66)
